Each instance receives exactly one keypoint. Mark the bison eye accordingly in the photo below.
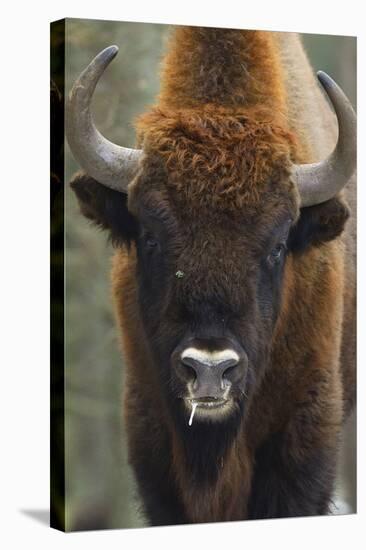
(276, 254)
(151, 242)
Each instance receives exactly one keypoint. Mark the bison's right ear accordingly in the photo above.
(106, 208)
(318, 224)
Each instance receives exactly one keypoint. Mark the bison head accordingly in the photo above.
(215, 210)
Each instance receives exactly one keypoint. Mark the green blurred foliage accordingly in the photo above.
(100, 492)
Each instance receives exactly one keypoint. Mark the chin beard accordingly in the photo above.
(206, 440)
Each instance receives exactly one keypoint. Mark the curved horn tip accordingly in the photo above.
(108, 53)
(325, 80)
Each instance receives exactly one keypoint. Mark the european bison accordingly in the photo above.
(234, 274)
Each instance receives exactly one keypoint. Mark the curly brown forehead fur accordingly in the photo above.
(217, 159)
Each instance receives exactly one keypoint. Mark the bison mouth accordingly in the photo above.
(209, 408)
(208, 402)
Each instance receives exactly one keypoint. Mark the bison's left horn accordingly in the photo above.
(320, 181)
(110, 164)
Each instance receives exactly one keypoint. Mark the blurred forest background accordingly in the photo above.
(100, 491)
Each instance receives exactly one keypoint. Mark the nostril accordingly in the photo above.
(187, 371)
(228, 366)
(229, 371)
(191, 373)
(234, 372)
(189, 362)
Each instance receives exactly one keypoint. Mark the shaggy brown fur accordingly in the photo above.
(235, 69)
(215, 190)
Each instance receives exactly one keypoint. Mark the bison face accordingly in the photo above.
(211, 261)
(210, 275)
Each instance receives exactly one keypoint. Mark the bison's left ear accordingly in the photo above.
(318, 224)
(106, 208)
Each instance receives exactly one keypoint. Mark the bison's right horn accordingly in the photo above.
(320, 181)
(110, 164)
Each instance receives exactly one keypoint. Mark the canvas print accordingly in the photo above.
(203, 197)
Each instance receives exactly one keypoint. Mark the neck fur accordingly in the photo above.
(236, 69)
